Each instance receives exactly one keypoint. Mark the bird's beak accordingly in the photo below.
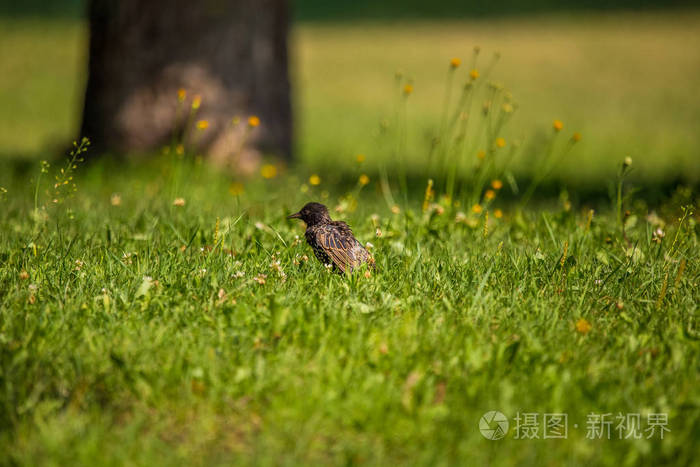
(296, 215)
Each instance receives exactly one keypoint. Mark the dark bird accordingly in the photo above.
(332, 241)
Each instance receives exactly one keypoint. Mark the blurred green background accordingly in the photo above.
(625, 78)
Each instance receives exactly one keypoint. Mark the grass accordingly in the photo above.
(623, 81)
(136, 331)
(162, 313)
(626, 81)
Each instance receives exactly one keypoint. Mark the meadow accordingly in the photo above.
(624, 81)
(160, 312)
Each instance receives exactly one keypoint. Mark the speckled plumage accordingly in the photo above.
(332, 241)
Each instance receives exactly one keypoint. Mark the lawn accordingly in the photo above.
(625, 81)
(134, 328)
(159, 312)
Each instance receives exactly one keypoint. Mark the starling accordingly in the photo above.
(332, 241)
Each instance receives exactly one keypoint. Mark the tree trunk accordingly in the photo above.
(232, 53)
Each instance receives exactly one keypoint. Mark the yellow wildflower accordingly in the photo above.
(408, 89)
(364, 180)
(202, 124)
(196, 102)
(496, 184)
(360, 158)
(181, 94)
(489, 194)
(476, 209)
(474, 74)
(576, 137)
(455, 62)
(253, 121)
(481, 154)
(558, 125)
(583, 326)
(314, 180)
(500, 142)
(497, 213)
(268, 171)
(236, 188)
(179, 202)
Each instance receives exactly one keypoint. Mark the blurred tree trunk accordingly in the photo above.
(232, 53)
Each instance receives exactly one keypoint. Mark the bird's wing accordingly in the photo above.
(339, 244)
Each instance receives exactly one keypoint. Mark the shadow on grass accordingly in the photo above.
(21, 170)
(351, 10)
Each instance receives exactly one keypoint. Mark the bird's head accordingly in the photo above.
(312, 214)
